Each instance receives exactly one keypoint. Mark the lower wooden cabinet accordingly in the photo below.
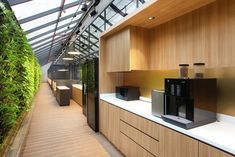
(131, 149)
(109, 122)
(113, 123)
(208, 151)
(103, 118)
(136, 136)
(174, 144)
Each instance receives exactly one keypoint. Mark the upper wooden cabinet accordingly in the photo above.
(127, 50)
(208, 151)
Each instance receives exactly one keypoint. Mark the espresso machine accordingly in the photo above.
(190, 102)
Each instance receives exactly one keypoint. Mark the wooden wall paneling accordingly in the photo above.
(113, 123)
(208, 151)
(226, 10)
(103, 118)
(204, 35)
(139, 48)
(175, 144)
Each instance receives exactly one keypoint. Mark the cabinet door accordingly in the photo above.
(103, 118)
(113, 130)
(174, 144)
(118, 51)
(208, 151)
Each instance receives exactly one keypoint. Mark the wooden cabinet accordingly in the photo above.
(131, 149)
(77, 95)
(208, 151)
(103, 118)
(109, 122)
(113, 123)
(127, 50)
(174, 144)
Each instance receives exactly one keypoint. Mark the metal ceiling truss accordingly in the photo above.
(106, 21)
(80, 47)
(89, 41)
(117, 10)
(53, 22)
(48, 12)
(97, 28)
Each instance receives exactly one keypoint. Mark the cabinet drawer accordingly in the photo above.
(142, 139)
(146, 126)
(131, 149)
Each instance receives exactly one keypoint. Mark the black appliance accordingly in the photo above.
(91, 93)
(127, 93)
(190, 102)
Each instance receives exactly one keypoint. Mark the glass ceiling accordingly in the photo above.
(46, 31)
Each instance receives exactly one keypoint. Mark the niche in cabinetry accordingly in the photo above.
(127, 50)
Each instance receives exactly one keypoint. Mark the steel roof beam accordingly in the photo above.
(53, 22)
(117, 10)
(106, 21)
(49, 37)
(46, 52)
(48, 32)
(41, 48)
(57, 40)
(97, 28)
(48, 12)
(16, 2)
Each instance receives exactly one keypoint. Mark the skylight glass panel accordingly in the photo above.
(39, 21)
(34, 7)
(49, 28)
(69, 11)
(40, 38)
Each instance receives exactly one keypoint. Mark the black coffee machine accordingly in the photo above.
(190, 102)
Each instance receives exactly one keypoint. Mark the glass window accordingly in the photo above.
(34, 7)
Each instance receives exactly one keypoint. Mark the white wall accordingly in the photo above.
(44, 71)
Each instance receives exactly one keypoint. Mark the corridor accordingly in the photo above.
(62, 131)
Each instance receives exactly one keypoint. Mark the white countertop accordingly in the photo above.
(218, 134)
(62, 87)
(78, 86)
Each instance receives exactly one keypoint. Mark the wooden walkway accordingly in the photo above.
(62, 131)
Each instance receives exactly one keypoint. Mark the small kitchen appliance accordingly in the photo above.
(190, 102)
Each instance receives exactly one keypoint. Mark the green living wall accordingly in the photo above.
(20, 72)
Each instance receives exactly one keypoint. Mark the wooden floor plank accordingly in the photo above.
(62, 131)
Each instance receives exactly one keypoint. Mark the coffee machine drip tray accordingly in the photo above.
(184, 123)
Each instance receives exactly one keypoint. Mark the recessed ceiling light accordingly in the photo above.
(74, 53)
(151, 17)
(63, 70)
(68, 59)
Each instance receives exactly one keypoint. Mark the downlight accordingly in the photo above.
(67, 59)
(63, 70)
(74, 53)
